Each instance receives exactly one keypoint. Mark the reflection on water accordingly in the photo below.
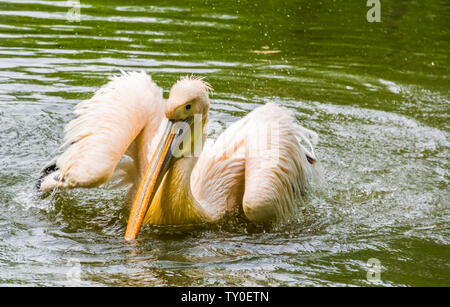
(377, 94)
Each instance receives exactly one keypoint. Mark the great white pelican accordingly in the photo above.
(262, 165)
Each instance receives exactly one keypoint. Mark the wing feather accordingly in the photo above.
(127, 109)
(258, 163)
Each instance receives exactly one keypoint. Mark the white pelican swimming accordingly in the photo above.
(176, 175)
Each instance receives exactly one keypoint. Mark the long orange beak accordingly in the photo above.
(152, 179)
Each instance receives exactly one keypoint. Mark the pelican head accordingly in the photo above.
(188, 98)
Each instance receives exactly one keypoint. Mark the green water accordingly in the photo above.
(376, 93)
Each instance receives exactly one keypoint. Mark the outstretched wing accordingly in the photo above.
(265, 163)
(120, 118)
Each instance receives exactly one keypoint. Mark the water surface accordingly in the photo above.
(376, 93)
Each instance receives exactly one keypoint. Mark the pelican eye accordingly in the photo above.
(188, 107)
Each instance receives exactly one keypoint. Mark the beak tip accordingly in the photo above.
(131, 234)
(127, 240)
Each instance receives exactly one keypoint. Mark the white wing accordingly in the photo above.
(258, 163)
(127, 110)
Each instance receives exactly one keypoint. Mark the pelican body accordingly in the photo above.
(259, 165)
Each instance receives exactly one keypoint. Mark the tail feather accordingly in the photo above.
(48, 170)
